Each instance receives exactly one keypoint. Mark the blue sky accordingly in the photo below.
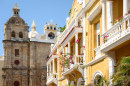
(41, 11)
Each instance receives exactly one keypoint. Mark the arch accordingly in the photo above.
(16, 83)
(20, 35)
(79, 82)
(13, 34)
(97, 73)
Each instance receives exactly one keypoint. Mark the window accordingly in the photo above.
(54, 28)
(16, 52)
(20, 35)
(51, 35)
(98, 34)
(13, 34)
(97, 80)
(47, 27)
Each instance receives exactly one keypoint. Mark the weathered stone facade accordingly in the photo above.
(24, 60)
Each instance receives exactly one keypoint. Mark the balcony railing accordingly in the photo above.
(65, 33)
(52, 78)
(78, 60)
(118, 31)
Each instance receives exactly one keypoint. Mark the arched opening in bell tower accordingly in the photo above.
(20, 35)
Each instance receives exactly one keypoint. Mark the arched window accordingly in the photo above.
(13, 34)
(97, 78)
(54, 28)
(20, 35)
(16, 83)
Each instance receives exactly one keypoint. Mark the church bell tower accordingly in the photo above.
(16, 50)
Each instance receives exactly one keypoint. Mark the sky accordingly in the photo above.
(41, 11)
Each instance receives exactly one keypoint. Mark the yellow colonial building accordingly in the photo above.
(96, 37)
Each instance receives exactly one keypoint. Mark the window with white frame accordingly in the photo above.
(98, 34)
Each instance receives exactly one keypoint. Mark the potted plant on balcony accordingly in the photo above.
(67, 58)
(105, 39)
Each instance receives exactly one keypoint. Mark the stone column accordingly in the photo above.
(109, 14)
(69, 47)
(26, 36)
(76, 45)
(17, 35)
(103, 16)
(25, 55)
(125, 6)
(8, 56)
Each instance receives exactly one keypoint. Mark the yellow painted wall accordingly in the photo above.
(91, 44)
(117, 9)
(86, 1)
(91, 40)
(122, 52)
(63, 82)
(76, 8)
(52, 84)
(102, 66)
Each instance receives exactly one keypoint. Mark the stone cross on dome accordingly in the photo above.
(51, 20)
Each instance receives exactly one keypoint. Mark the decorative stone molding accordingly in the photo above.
(97, 73)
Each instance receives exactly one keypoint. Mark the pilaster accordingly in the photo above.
(125, 6)
(103, 16)
(109, 14)
(32, 55)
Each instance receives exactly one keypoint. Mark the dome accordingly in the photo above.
(16, 20)
(33, 34)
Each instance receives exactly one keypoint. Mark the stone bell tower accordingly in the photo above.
(16, 51)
